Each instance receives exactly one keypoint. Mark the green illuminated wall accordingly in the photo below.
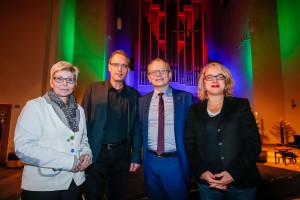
(289, 34)
(66, 23)
(289, 27)
(82, 39)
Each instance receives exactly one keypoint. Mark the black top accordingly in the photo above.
(232, 140)
(116, 125)
(213, 138)
(95, 104)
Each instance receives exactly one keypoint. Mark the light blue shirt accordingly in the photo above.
(169, 133)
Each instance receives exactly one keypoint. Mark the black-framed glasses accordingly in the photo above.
(218, 77)
(162, 71)
(117, 65)
(60, 79)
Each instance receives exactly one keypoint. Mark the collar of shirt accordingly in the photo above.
(111, 88)
(167, 92)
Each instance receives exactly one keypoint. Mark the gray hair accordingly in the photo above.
(64, 66)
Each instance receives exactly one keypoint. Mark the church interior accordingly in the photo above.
(259, 41)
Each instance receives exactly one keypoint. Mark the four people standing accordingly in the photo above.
(165, 165)
(222, 139)
(113, 126)
(51, 139)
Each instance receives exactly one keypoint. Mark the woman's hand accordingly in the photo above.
(225, 177)
(214, 181)
(83, 162)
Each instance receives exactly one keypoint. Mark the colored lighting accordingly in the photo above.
(289, 28)
(66, 29)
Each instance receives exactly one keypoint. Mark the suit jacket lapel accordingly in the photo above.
(105, 99)
(203, 110)
(178, 112)
(227, 106)
(177, 100)
(145, 110)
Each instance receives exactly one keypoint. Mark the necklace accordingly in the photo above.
(218, 102)
(213, 114)
(216, 105)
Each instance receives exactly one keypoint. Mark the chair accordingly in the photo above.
(288, 156)
(296, 142)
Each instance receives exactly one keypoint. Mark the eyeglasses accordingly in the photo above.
(60, 79)
(162, 71)
(218, 77)
(117, 65)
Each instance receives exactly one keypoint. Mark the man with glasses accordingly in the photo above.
(163, 113)
(113, 130)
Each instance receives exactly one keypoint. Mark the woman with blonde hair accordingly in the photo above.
(51, 139)
(222, 140)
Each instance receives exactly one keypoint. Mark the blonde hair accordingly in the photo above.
(229, 83)
(64, 66)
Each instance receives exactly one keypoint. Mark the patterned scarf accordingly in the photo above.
(69, 109)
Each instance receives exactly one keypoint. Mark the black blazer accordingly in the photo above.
(238, 141)
(94, 103)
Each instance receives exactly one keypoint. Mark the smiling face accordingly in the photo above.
(159, 74)
(214, 83)
(118, 68)
(63, 89)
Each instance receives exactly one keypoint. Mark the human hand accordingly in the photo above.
(224, 177)
(208, 177)
(213, 181)
(83, 162)
(77, 166)
(134, 167)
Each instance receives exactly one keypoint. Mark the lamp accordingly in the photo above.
(119, 23)
(293, 104)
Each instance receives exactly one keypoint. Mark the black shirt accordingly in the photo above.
(116, 124)
(212, 149)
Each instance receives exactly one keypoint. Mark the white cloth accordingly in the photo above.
(44, 143)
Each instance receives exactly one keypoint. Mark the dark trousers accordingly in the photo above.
(164, 179)
(112, 166)
(232, 193)
(73, 193)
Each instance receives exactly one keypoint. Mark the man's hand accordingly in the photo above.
(134, 167)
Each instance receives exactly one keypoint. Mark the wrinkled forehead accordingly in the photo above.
(119, 58)
(157, 65)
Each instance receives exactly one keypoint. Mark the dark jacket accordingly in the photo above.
(238, 142)
(94, 103)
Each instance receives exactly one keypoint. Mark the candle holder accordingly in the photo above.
(282, 130)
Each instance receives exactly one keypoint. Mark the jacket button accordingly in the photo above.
(220, 143)
(219, 130)
(222, 158)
